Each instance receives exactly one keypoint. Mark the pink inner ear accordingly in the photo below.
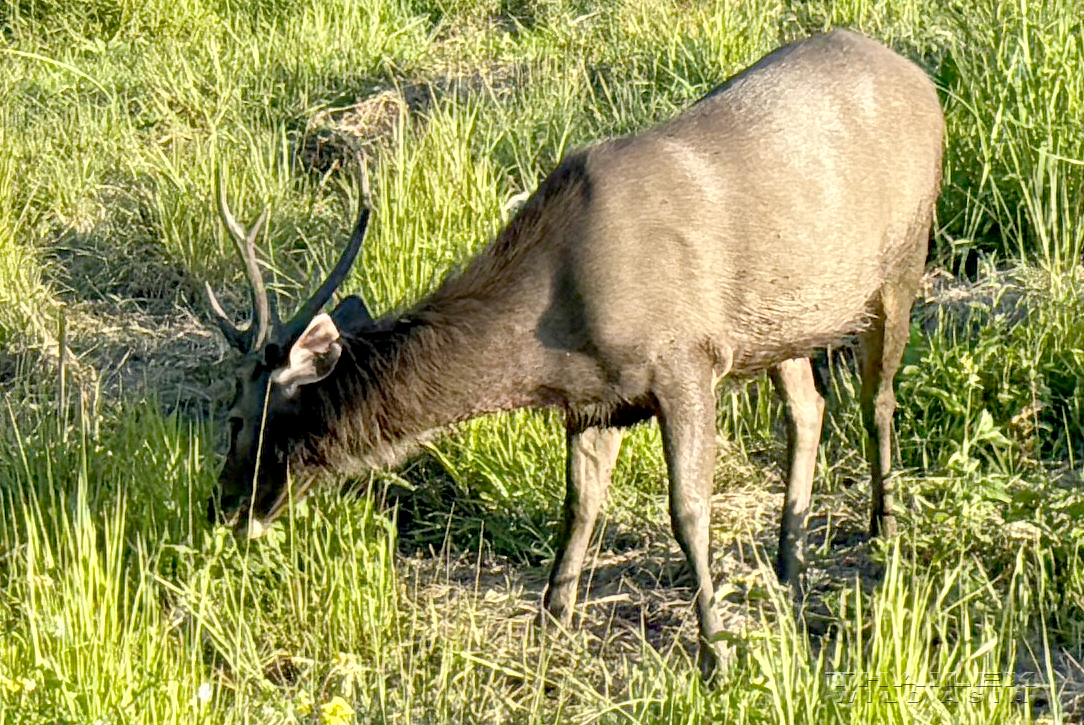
(319, 335)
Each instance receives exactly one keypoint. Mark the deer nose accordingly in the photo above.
(223, 506)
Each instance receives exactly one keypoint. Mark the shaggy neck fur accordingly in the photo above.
(394, 386)
(470, 348)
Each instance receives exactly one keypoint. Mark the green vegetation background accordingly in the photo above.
(119, 604)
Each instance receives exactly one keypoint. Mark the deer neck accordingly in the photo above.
(414, 375)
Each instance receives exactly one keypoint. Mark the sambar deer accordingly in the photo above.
(787, 210)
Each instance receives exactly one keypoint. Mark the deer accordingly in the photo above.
(787, 211)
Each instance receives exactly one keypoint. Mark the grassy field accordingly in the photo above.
(411, 597)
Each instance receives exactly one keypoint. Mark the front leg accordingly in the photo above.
(687, 418)
(589, 463)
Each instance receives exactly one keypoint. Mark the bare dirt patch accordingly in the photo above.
(336, 136)
(169, 354)
(964, 304)
(635, 587)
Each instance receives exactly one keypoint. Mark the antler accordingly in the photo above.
(246, 246)
(288, 333)
(240, 339)
(265, 324)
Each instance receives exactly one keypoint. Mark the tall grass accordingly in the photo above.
(23, 296)
(1015, 129)
(116, 614)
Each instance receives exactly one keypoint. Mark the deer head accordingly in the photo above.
(278, 361)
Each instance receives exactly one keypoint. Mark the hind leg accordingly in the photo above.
(804, 409)
(880, 351)
(589, 463)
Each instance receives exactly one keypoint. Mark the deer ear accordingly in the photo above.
(312, 357)
(351, 313)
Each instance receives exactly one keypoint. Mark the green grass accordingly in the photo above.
(119, 604)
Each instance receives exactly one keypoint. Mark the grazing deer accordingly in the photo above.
(788, 209)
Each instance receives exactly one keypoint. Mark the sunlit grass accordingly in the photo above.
(115, 618)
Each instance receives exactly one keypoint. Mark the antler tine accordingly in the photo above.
(262, 306)
(289, 332)
(246, 247)
(366, 199)
(240, 339)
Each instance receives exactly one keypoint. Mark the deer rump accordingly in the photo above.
(788, 209)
